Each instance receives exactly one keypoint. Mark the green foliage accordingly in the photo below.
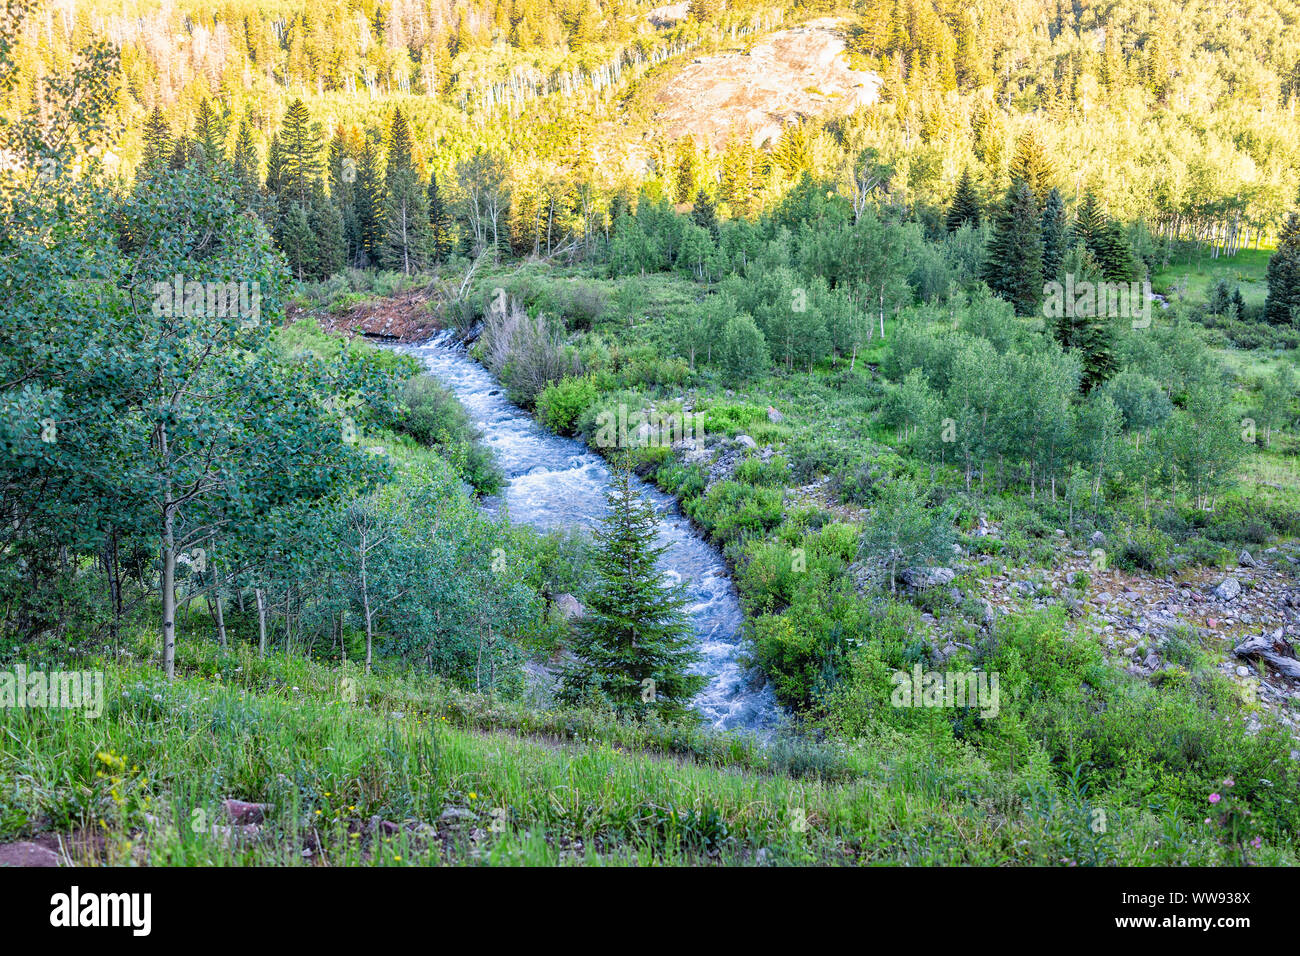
(634, 646)
(561, 403)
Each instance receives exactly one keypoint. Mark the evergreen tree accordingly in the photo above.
(440, 237)
(245, 162)
(368, 203)
(965, 206)
(1079, 325)
(399, 150)
(634, 647)
(705, 213)
(1054, 235)
(1014, 267)
(329, 247)
(157, 144)
(1030, 164)
(300, 144)
(406, 220)
(342, 165)
(182, 152)
(209, 136)
(1283, 304)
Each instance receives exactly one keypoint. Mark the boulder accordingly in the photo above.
(919, 579)
(746, 442)
(27, 854)
(1098, 540)
(774, 416)
(1229, 589)
(1245, 560)
(1274, 649)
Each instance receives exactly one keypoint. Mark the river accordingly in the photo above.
(558, 483)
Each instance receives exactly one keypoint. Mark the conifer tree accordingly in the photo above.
(368, 202)
(245, 162)
(1054, 235)
(1082, 325)
(209, 136)
(440, 237)
(399, 150)
(635, 646)
(1014, 266)
(705, 213)
(1030, 164)
(406, 225)
(300, 144)
(157, 144)
(328, 247)
(1283, 304)
(965, 206)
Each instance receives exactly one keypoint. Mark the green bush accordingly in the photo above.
(732, 510)
(561, 403)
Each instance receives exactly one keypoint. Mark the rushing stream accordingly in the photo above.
(555, 483)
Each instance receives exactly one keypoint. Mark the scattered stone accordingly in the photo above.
(456, 814)
(1245, 560)
(919, 579)
(1229, 589)
(746, 442)
(1097, 540)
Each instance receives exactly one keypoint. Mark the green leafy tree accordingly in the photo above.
(902, 532)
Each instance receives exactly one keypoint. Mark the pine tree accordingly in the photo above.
(157, 144)
(406, 220)
(368, 201)
(342, 166)
(1014, 266)
(965, 206)
(1054, 235)
(705, 213)
(1082, 328)
(1283, 304)
(399, 150)
(328, 247)
(635, 645)
(1031, 165)
(300, 143)
(440, 238)
(209, 136)
(182, 152)
(245, 162)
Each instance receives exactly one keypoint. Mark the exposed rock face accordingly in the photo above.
(783, 78)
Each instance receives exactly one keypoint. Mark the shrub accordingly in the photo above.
(561, 403)
(732, 510)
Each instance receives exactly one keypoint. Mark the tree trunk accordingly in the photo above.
(261, 621)
(169, 595)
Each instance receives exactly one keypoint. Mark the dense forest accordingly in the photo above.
(994, 377)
